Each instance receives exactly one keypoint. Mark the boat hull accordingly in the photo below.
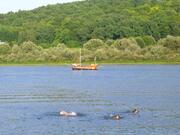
(94, 67)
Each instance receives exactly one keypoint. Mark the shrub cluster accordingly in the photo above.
(134, 49)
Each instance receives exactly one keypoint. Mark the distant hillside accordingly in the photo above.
(75, 23)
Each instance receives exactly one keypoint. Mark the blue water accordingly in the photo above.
(31, 98)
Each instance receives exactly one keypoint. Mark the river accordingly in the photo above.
(32, 96)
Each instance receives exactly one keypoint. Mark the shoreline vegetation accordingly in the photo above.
(100, 64)
(113, 31)
(121, 51)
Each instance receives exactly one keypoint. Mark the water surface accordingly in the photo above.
(31, 98)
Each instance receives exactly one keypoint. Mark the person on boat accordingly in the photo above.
(68, 114)
(115, 117)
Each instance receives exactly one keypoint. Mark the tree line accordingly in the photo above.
(76, 23)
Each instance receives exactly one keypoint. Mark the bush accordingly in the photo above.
(171, 42)
(87, 55)
(29, 46)
(5, 49)
(122, 49)
(94, 44)
(140, 42)
(126, 44)
(45, 45)
(15, 49)
(109, 42)
(159, 50)
(101, 54)
(149, 40)
(61, 46)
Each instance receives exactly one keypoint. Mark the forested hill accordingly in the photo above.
(75, 23)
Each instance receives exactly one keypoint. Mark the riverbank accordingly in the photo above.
(100, 63)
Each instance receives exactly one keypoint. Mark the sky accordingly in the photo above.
(15, 5)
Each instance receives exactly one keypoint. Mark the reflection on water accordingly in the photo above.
(31, 98)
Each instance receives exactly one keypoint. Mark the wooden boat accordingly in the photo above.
(84, 67)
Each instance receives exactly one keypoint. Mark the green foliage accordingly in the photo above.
(94, 44)
(126, 49)
(15, 49)
(101, 54)
(45, 34)
(29, 46)
(126, 44)
(171, 42)
(140, 42)
(8, 33)
(4, 49)
(61, 46)
(149, 40)
(109, 42)
(76, 23)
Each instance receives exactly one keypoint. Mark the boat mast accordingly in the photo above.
(80, 57)
(95, 60)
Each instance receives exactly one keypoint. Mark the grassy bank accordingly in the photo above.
(147, 62)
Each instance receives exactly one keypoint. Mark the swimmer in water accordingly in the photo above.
(116, 117)
(68, 114)
(135, 111)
